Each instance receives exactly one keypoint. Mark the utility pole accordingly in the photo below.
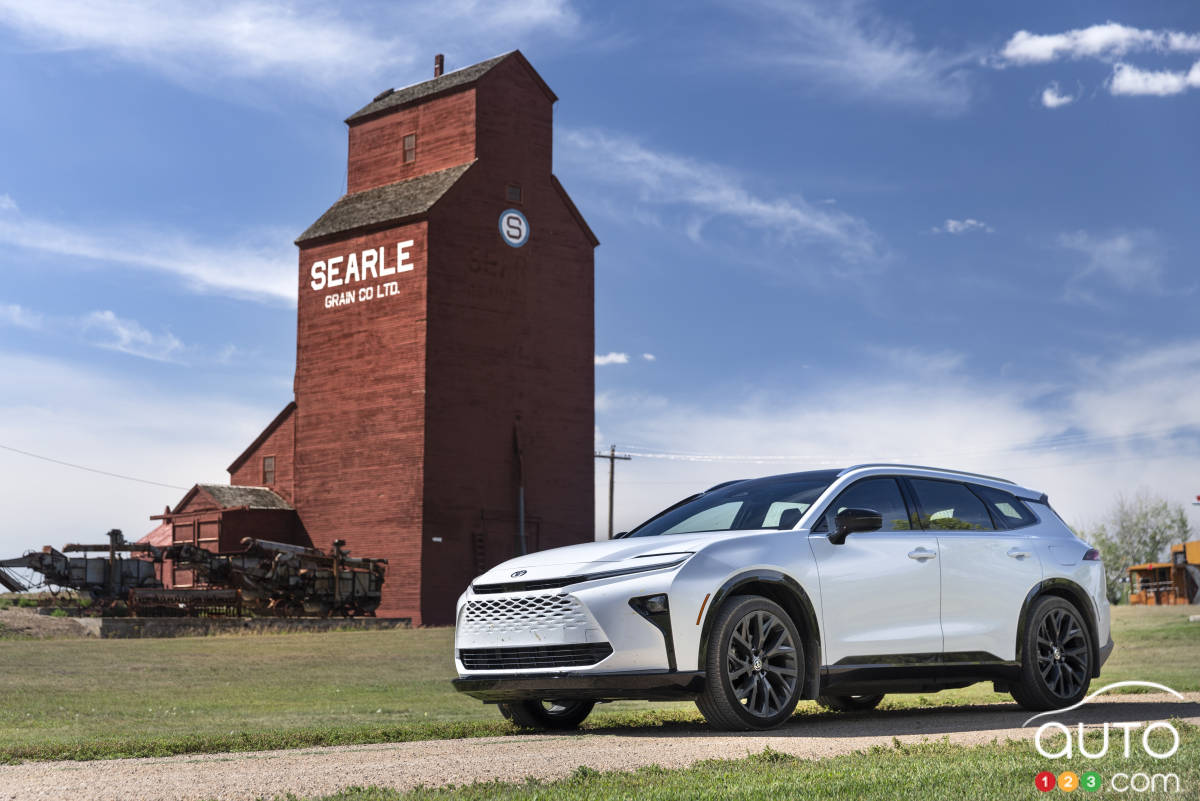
(612, 458)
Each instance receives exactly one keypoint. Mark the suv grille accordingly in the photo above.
(495, 615)
(527, 586)
(543, 656)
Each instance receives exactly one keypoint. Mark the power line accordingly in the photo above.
(1060, 442)
(91, 469)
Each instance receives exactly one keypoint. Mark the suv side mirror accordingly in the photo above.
(849, 521)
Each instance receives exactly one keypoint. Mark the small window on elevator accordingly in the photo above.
(410, 148)
(268, 470)
(513, 194)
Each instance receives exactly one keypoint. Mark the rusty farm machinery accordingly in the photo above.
(269, 578)
(290, 580)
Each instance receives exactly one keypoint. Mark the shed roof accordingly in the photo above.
(384, 204)
(461, 78)
(160, 537)
(231, 496)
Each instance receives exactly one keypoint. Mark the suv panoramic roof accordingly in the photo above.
(925, 467)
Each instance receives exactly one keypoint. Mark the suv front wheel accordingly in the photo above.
(754, 666)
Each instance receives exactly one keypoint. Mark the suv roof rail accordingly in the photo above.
(926, 467)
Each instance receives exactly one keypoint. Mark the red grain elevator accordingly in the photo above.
(444, 355)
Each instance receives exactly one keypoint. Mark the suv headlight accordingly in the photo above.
(624, 571)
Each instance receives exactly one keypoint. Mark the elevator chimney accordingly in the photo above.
(439, 65)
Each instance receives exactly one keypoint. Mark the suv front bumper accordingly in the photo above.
(644, 686)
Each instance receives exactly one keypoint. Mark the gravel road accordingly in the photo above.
(320, 771)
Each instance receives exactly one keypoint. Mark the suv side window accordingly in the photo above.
(880, 494)
(950, 506)
(1005, 507)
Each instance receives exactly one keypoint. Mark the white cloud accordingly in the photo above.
(7, 203)
(1129, 261)
(1130, 80)
(110, 422)
(1108, 426)
(854, 51)
(321, 44)
(649, 357)
(962, 226)
(705, 191)
(1108, 41)
(611, 358)
(1053, 98)
(104, 329)
(128, 336)
(20, 317)
(246, 269)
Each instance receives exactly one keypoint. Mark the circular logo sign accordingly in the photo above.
(518, 574)
(514, 228)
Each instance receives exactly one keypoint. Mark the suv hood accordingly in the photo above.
(597, 557)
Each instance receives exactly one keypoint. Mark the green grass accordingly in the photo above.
(938, 770)
(87, 699)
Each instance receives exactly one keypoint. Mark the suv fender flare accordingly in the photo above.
(788, 593)
(1063, 588)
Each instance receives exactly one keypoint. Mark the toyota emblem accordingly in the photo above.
(518, 574)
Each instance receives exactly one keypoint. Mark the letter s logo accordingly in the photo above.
(514, 228)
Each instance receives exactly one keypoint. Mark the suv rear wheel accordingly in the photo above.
(556, 714)
(1056, 663)
(754, 666)
(849, 703)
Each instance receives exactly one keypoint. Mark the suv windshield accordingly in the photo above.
(742, 505)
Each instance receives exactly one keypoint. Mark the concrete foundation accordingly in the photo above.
(121, 628)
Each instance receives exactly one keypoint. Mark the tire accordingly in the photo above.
(558, 714)
(1056, 662)
(849, 703)
(754, 666)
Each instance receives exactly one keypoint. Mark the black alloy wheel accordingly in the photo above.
(1062, 652)
(1056, 666)
(754, 666)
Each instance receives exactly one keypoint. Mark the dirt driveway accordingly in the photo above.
(318, 771)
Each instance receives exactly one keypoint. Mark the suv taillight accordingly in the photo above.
(1092, 555)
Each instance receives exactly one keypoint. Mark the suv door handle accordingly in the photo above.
(921, 554)
(1017, 553)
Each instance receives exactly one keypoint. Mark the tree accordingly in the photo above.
(1137, 530)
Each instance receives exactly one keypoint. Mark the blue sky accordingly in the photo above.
(932, 232)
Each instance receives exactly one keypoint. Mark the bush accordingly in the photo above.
(60, 612)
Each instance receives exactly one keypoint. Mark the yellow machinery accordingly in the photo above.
(1168, 583)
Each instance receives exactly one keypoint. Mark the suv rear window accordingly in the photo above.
(1008, 511)
(949, 505)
